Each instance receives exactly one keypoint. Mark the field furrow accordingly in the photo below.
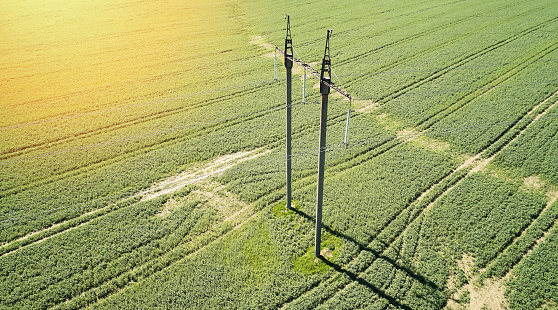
(142, 162)
(469, 167)
(169, 186)
(119, 282)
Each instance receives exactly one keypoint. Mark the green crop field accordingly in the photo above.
(142, 155)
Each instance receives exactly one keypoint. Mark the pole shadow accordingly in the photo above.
(361, 281)
(354, 277)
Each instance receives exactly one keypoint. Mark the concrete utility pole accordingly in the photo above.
(288, 66)
(325, 86)
(325, 82)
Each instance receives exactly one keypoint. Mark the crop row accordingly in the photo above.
(111, 69)
(505, 142)
(430, 54)
(100, 147)
(534, 281)
(545, 220)
(513, 254)
(392, 253)
(354, 137)
(534, 152)
(291, 282)
(502, 105)
(91, 261)
(116, 175)
(47, 165)
(24, 138)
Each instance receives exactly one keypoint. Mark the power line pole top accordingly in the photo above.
(288, 45)
(325, 75)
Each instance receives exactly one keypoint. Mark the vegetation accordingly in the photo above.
(147, 169)
(539, 268)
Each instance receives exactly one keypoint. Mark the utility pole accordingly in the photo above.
(325, 82)
(288, 67)
(325, 86)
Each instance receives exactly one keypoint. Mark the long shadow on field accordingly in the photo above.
(361, 248)
(361, 281)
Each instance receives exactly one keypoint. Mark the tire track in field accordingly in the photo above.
(105, 129)
(553, 197)
(253, 87)
(472, 93)
(416, 55)
(534, 115)
(484, 286)
(440, 72)
(146, 265)
(406, 289)
(72, 173)
(150, 268)
(144, 96)
(466, 165)
(204, 129)
(191, 245)
(479, 91)
(106, 108)
(530, 118)
(472, 165)
(536, 244)
(186, 248)
(170, 185)
(143, 119)
(489, 86)
(429, 32)
(58, 228)
(335, 119)
(477, 164)
(426, 33)
(376, 248)
(403, 288)
(387, 30)
(195, 244)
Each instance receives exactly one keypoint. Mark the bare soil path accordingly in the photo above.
(195, 174)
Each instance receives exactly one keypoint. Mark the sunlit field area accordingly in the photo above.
(142, 155)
